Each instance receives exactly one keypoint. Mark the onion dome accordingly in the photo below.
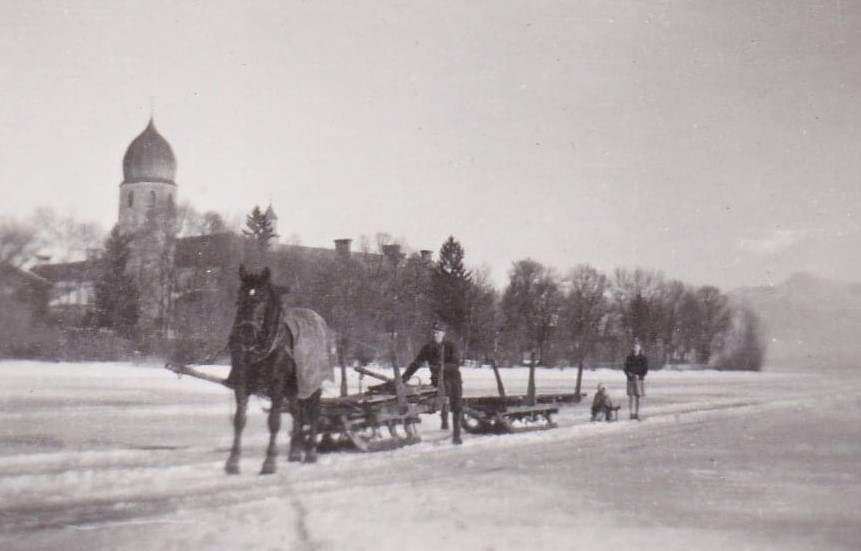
(149, 158)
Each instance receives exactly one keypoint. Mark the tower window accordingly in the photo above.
(131, 199)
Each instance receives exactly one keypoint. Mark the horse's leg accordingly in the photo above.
(276, 386)
(274, 426)
(312, 415)
(295, 453)
(239, 418)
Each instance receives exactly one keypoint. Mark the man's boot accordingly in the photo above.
(455, 439)
(443, 414)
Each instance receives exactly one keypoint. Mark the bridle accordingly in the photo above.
(259, 351)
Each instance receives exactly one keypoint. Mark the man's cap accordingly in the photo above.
(438, 326)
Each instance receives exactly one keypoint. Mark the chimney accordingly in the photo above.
(392, 254)
(427, 255)
(342, 248)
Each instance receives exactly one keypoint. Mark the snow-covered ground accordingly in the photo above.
(112, 456)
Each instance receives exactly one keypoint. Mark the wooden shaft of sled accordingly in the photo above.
(400, 391)
(499, 386)
(369, 373)
(191, 372)
(530, 388)
(342, 361)
(399, 383)
(440, 390)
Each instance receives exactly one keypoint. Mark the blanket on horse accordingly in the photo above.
(311, 349)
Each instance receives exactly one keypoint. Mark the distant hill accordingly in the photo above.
(811, 322)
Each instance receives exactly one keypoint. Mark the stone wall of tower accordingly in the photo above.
(136, 200)
(148, 212)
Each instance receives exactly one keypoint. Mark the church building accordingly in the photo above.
(173, 274)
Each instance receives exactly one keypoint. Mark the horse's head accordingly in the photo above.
(256, 308)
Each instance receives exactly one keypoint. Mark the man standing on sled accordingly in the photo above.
(441, 353)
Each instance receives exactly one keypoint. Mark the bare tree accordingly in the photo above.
(483, 318)
(65, 237)
(530, 308)
(19, 242)
(635, 294)
(584, 308)
(715, 318)
(190, 221)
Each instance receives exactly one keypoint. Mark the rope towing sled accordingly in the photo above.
(382, 418)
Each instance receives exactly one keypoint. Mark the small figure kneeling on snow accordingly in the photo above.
(602, 404)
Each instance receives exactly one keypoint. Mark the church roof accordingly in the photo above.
(83, 270)
(205, 250)
(11, 274)
(149, 158)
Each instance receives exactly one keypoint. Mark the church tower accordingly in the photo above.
(149, 169)
(147, 211)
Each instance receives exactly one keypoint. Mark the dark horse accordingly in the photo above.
(282, 353)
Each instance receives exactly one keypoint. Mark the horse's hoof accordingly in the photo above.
(310, 457)
(231, 468)
(294, 457)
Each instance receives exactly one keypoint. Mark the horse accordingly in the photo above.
(283, 353)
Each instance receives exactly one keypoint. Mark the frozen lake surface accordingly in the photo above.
(113, 456)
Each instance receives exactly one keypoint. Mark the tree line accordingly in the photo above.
(386, 302)
(382, 298)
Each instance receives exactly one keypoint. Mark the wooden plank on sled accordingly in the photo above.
(563, 398)
(536, 409)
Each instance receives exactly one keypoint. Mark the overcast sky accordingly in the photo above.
(718, 142)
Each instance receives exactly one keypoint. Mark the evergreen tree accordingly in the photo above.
(450, 287)
(117, 294)
(259, 228)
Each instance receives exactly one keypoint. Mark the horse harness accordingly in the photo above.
(280, 339)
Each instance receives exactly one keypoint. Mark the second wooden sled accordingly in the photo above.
(510, 414)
